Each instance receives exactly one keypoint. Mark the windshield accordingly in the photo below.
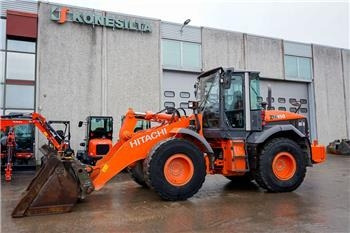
(208, 96)
(24, 131)
(101, 125)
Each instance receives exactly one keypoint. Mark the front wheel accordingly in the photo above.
(281, 166)
(175, 169)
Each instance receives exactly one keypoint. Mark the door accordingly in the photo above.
(284, 93)
(178, 89)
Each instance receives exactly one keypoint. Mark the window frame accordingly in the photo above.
(182, 66)
(185, 92)
(298, 77)
(167, 96)
(18, 82)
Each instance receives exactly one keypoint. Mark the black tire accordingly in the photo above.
(246, 178)
(264, 174)
(154, 169)
(137, 175)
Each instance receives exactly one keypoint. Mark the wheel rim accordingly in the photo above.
(178, 169)
(284, 166)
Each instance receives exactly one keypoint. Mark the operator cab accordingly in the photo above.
(229, 102)
(99, 127)
(98, 140)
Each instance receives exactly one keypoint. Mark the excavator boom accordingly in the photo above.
(39, 121)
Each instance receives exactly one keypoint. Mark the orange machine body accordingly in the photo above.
(132, 147)
(318, 152)
(40, 122)
(135, 146)
(93, 144)
(277, 116)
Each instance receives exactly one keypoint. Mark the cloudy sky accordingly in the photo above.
(318, 22)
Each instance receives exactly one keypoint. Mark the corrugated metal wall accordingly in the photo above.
(18, 5)
(172, 31)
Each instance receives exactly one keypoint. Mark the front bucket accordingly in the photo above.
(53, 190)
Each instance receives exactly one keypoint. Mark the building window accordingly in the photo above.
(303, 101)
(171, 53)
(169, 94)
(2, 33)
(183, 105)
(303, 110)
(21, 46)
(169, 104)
(17, 65)
(298, 68)
(2, 66)
(281, 100)
(292, 100)
(181, 55)
(272, 99)
(184, 94)
(191, 55)
(20, 66)
(292, 109)
(19, 96)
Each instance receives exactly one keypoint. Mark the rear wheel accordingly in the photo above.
(175, 169)
(137, 175)
(281, 166)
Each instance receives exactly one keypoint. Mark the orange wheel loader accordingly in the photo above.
(228, 134)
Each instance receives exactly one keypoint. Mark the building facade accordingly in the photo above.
(69, 62)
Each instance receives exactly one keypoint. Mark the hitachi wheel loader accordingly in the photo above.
(228, 134)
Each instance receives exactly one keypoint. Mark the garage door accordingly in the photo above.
(284, 93)
(178, 89)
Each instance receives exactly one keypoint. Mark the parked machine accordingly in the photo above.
(228, 134)
(98, 139)
(17, 138)
(24, 141)
(21, 138)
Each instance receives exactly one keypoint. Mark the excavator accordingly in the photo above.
(228, 133)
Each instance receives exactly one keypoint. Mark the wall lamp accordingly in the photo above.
(184, 24)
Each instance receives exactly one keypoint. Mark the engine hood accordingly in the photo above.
(276, 115)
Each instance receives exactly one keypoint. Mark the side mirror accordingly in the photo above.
(80, 124)
(82, 144)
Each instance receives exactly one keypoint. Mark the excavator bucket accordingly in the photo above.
(55, 188)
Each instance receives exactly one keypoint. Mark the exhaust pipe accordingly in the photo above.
(269, 97)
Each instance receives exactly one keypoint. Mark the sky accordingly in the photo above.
(317, 22)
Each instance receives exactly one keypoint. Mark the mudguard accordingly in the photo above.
(260, 137)
(196, 136)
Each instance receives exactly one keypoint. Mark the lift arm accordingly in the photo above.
(39, 121)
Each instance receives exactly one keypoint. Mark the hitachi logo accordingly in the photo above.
(146, 138)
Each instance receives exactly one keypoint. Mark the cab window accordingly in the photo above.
(234, 102)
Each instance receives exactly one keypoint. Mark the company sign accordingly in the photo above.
(63, 14)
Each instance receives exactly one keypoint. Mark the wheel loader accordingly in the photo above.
(228, 134)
